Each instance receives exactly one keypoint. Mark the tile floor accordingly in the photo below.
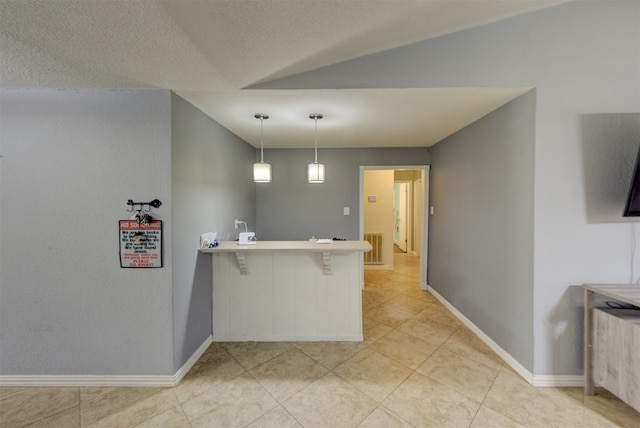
(417, 367)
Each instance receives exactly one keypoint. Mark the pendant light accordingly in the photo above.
(315, 170)
(261, 170)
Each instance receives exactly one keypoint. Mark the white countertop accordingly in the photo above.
(335, 246)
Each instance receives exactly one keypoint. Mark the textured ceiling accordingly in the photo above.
(207, 51)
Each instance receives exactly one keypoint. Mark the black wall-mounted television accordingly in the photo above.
(632, 209)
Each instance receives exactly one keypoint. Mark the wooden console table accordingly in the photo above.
(612, 342)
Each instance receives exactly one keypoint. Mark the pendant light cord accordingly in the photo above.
(261, 116)
(316, 143)
(261, 141)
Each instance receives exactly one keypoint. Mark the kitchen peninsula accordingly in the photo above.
(287, 291)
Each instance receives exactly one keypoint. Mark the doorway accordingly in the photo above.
(392, 210)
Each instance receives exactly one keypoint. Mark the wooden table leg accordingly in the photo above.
(589, 304)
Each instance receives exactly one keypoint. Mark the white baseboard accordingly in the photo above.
(262, 338)
(86, 380)
(182, 371)
(106, 380)
(558, 380)
(535, 380)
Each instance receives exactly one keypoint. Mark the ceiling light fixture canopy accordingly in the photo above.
(315, 170)
(261, 170)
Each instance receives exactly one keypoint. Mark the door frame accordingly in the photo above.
(424, 254)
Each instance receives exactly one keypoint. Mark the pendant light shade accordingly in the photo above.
(261, 170)
(315, 170)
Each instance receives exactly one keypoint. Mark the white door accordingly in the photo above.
(418, 215)
(401, 216)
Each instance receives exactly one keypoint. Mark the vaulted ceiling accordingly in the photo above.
(211, 52)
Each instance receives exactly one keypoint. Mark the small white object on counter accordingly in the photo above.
(247, 238)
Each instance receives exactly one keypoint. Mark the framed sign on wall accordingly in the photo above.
(140, 244)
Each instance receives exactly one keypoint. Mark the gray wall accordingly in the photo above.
(583, 58)
(70, 161)
(289, 208)
(481, 233)
(212, 185)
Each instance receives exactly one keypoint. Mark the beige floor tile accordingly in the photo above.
(234, 403)
(487, 418)
(123, 406)
(439, 313)
(576, 393)
(69, 418)
(593, 419)
(374, 331)
(605, 408)
(468, 345)
(211, 369)
(372, 296)
(382, 417)
(367, 323)
(23, 406)
(376, 283)
(378, 275)
(408, 304)
(426, 403)
(373, 373)
(387, 315)
(402, 287)
(172, 418)
(288, 373)
(404, 348)
(330, 354)
(383, 278)
(429, 331)
(513, 397)
(463, 375)
(406, 275)
(275, 418)
(369, 299)
(417, 293)
(371, 282)
(6, 391)
(329, 402)
(250, 354)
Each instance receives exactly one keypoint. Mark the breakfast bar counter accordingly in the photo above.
(288, 291)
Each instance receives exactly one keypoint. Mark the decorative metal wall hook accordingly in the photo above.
(155, 204)
(142, 215)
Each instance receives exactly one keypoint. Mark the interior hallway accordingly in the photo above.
(418, 366)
